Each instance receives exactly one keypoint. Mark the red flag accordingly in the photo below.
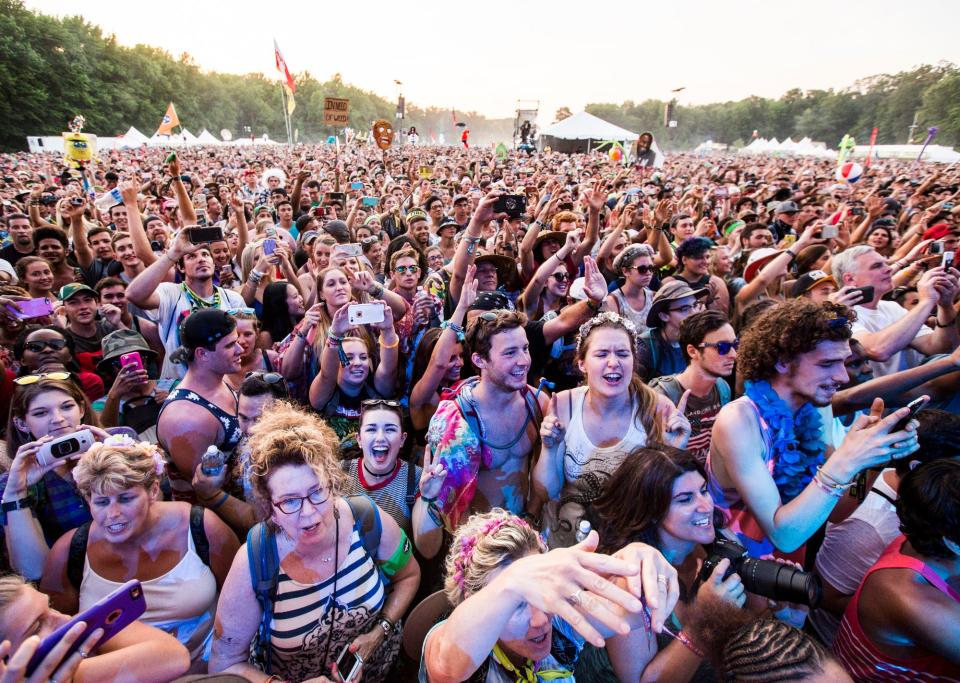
(282, 68)
(873, 140)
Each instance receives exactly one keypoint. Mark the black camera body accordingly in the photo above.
(771, 579)
(514, 205)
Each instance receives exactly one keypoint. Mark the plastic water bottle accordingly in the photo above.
(212, 462)
(583, 529)
(108, 199)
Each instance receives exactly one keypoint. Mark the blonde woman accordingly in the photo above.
(329, 586)
(523, 614)
(180, 554)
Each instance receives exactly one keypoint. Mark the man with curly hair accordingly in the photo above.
(768, 463)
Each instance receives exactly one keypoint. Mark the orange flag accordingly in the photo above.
(169, 122)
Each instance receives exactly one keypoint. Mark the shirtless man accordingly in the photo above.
(202, 410)
(490, 468)
(792, 359)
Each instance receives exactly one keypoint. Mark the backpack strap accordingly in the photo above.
(670, 387)
(366, 519)
(77, 555)
(411, 496)
(264, 563)
(724, 389)
(199, 534)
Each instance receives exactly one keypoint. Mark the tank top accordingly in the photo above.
(739, 518)
(311, 625)
(638, 318)
(863, 660)
(182, 602)
(586, 467)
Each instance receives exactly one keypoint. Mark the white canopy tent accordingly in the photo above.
(207, 138)
(188, 137)
(581, 133)
(935, 153)
(132, 138)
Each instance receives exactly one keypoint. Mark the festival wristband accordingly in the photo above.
(401, 556)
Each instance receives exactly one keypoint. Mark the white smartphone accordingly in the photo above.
(365, 314)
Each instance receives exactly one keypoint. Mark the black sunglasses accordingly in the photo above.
(723, 347)
(562, 277)
(642, 270)
(38, 346)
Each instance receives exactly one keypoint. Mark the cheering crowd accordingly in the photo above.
(437, 414)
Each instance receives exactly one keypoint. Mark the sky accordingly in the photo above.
(485, 56)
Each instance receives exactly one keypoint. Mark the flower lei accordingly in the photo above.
(796, 443)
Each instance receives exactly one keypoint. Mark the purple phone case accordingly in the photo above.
(113, 613)
(33, 308)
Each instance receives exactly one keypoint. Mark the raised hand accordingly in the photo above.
(551, 429)
(433, 475)
(676, 426)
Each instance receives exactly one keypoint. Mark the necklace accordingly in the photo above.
(374, 475)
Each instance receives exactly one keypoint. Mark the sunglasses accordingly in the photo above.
(374, 403)
(723, 347)
(33, 379)
(400, 270)
(562, 277)
(268, 377)
(642, 270)
(38, 346)
(241, 311)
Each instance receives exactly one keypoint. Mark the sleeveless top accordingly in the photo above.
(638, 318)
(739, 518)
(586, 467)
(182, 602)
(311, 626)
(863, 660)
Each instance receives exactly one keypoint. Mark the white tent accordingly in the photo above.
(188, 137)
(581, 133)
(132, 138)
(207, 138)
(935, 153)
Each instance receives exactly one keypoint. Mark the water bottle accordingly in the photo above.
(212, 462)
(108, 199)
(583, 529)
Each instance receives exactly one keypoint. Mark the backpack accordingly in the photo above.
(264, 562)
(78, 545)
(469, 411)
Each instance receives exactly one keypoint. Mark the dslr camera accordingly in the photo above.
(780, 582)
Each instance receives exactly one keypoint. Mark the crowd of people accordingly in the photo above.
(440, 414)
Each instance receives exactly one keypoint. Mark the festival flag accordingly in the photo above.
(169, 121)
(284, 71)
(291, 103)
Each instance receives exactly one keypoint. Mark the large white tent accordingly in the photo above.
(132, 138)
(581, 133)
(207, 138)
(935, 153)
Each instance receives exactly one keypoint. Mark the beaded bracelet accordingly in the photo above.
(685, 639)
(450, 325)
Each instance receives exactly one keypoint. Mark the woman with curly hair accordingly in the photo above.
(589, 430)
(330, 590)
(179, 554)
(523, 614)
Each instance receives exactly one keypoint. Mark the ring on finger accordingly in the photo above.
(575, 598)
(83, 653)
(662, 579)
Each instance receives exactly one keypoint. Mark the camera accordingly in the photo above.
(64, 447)
(514, 205)
(781, 582)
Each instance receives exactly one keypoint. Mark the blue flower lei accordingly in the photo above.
(796, 443)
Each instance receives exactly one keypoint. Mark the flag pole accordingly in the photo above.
(286, 113)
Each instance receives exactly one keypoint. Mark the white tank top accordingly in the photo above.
(182, 602)
(638, 318)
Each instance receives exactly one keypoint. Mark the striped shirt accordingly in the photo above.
(311, 626)
(389, 495)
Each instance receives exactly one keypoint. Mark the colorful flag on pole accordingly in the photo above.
(291, 103)
(282, 68)
(169, 121)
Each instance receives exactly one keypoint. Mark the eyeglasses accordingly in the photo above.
(723, 347)
(289, 506)
(38, 346)
(688, 308)
(642, 270)
(400, 270)
(33, 379)
(562, 277)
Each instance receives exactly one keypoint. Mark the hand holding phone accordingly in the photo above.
(915, 406)
(349, 665)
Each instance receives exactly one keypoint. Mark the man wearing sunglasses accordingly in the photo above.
(709, 345)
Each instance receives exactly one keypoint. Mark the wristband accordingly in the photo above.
(19, 504)
(683, 638)
(384, 345)
(220, 502)
(428, 501)
(300, 333)
(457, 329)
(594, 306)
(949, 324)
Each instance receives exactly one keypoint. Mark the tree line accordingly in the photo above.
(52, 69)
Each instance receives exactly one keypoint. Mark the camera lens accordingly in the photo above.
(65, 448)
(780, 582)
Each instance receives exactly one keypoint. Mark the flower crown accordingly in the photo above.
(467, 544)
(607, 318)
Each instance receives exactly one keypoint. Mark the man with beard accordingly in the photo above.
(202, 410)
(646, 156)
(768, 466)
(418, 228)
(21, 236)
(486, 432)
(52, 247)
(150, 290)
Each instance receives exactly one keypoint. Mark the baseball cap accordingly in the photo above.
(788, 206)
(758, 259)
(808, 281)
(75, 288)
(934, 232)
(415, 215)
(460, 198)
(490, 301)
